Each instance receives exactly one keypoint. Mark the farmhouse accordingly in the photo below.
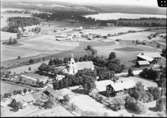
(148, 56)
(31, 79)
(111, 87)
(27, 80)
(143, 63)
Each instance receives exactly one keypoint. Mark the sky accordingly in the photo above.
(146, 3)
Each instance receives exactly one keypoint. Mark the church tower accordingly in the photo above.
(72, 66)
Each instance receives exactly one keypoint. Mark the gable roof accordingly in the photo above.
(84, 65)
(149, 56)
(145, 57)
(123, 83)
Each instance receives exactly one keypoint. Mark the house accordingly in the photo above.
(149, 56)
(27, 80)
(111, 87)
(142, 63)
(32, 79)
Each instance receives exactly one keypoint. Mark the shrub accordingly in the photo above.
(133, 106)
(48, 104)
(15, 105)
(161, 104)
(155, 92)
(149, 74)
(66, 98)
(130, 72)
(117, 104)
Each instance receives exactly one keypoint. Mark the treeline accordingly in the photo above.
(15, 22)
(79, 17)
(102, 64)
(154, 75)
(86, 78)
(142, 22)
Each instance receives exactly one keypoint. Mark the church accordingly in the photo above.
(73, 67)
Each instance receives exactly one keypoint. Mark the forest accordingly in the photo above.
(15, 22)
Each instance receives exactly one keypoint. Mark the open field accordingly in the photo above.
(8, 88)
(141, 36)
(112, 30)
(45, 44)
(41, 45)
(25, 68)
(33, 111)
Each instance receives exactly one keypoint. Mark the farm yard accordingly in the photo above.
(49, 46)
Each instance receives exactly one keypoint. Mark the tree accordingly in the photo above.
(48, 104)
(132, 105)
(88, 84)
(66, 98)
(43, 67)
(161, 104)
(155, 92)
(15, 105)
(130, 72)
(29, 68)
(149, 74)
(93, 51)
(31, 61)
(112, 56)
(109, 90)
(18, 57)
(24, 90)
(139, 93)
(164, 52)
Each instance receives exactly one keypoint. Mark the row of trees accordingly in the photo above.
(79, 17)
(15, 22)
(157, 76)
(111, 63)
(15, 92)
(11, 41)
(86, 78)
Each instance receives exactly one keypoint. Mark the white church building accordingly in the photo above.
(73, 67)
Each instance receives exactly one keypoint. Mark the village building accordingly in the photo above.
(31, 79)
(111, 87)
(73, 67)
(146, 58)
(142, 63)
(28, 30)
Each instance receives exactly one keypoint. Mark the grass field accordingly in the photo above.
(9, 88)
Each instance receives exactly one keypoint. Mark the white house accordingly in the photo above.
(119, 85)
(148, 56)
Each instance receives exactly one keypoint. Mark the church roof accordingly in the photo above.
(84, 65)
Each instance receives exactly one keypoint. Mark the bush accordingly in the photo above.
(117, 104)
(161, 104)
(48, 104)
(133, 106)
(155, 92)
(15, 105)
(66, 98)
(130, 72)
(149, 74)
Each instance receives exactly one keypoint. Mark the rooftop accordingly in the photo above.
(85, 65)
(123, 83)
(149, 56)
